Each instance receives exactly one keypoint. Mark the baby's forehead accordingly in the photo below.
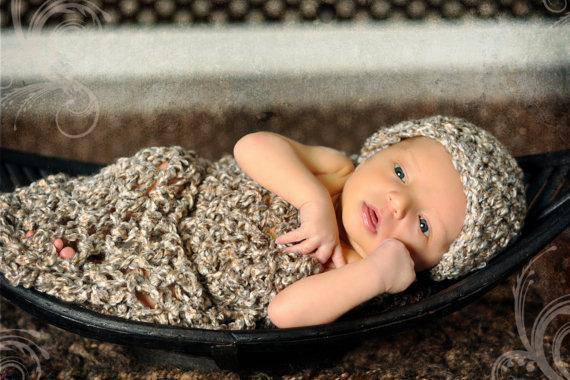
(423, 143)
(416, 140)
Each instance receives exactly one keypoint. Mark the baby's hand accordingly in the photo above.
(320, 231)
(395, 265)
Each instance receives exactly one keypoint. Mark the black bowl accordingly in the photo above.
(548, 195)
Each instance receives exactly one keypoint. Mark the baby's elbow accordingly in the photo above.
(238, 146)
(282, 314)
(284, 318)
(247, 148)
(277, 315)
(248, 140)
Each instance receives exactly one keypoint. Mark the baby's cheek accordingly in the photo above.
(421, 263)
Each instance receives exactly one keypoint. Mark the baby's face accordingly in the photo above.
(418, 195)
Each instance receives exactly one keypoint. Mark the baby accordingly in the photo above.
(437, 193)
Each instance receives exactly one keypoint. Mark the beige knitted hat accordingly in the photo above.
(492, 182)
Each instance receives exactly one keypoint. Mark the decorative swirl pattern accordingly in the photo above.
(534, 348)
(555, 6)
(79, 100)
(20, 357)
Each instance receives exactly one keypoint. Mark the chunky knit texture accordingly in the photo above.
(200, 243)
(492, 182)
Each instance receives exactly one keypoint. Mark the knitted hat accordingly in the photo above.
(492, 182)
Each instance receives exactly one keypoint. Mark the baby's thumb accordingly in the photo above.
(338, 258)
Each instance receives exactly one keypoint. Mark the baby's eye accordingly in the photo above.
(423, 224)
(400, 172)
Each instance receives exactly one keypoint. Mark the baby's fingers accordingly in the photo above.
(305, 247)
(337, 257)
(323, 253)
(291, 236)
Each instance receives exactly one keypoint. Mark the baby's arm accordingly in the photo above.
(296, 172)
(324, 297)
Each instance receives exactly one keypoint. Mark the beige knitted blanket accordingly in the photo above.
(200, 243)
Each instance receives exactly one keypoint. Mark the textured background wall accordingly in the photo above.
(219, 12)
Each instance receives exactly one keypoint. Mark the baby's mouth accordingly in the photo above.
(376, 215)
(370, 217)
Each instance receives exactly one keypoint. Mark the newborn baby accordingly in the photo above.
(394, 215)
(435, 194)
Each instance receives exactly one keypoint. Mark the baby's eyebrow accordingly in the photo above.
(413, 160)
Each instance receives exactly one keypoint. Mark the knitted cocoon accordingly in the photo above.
(199, 243)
